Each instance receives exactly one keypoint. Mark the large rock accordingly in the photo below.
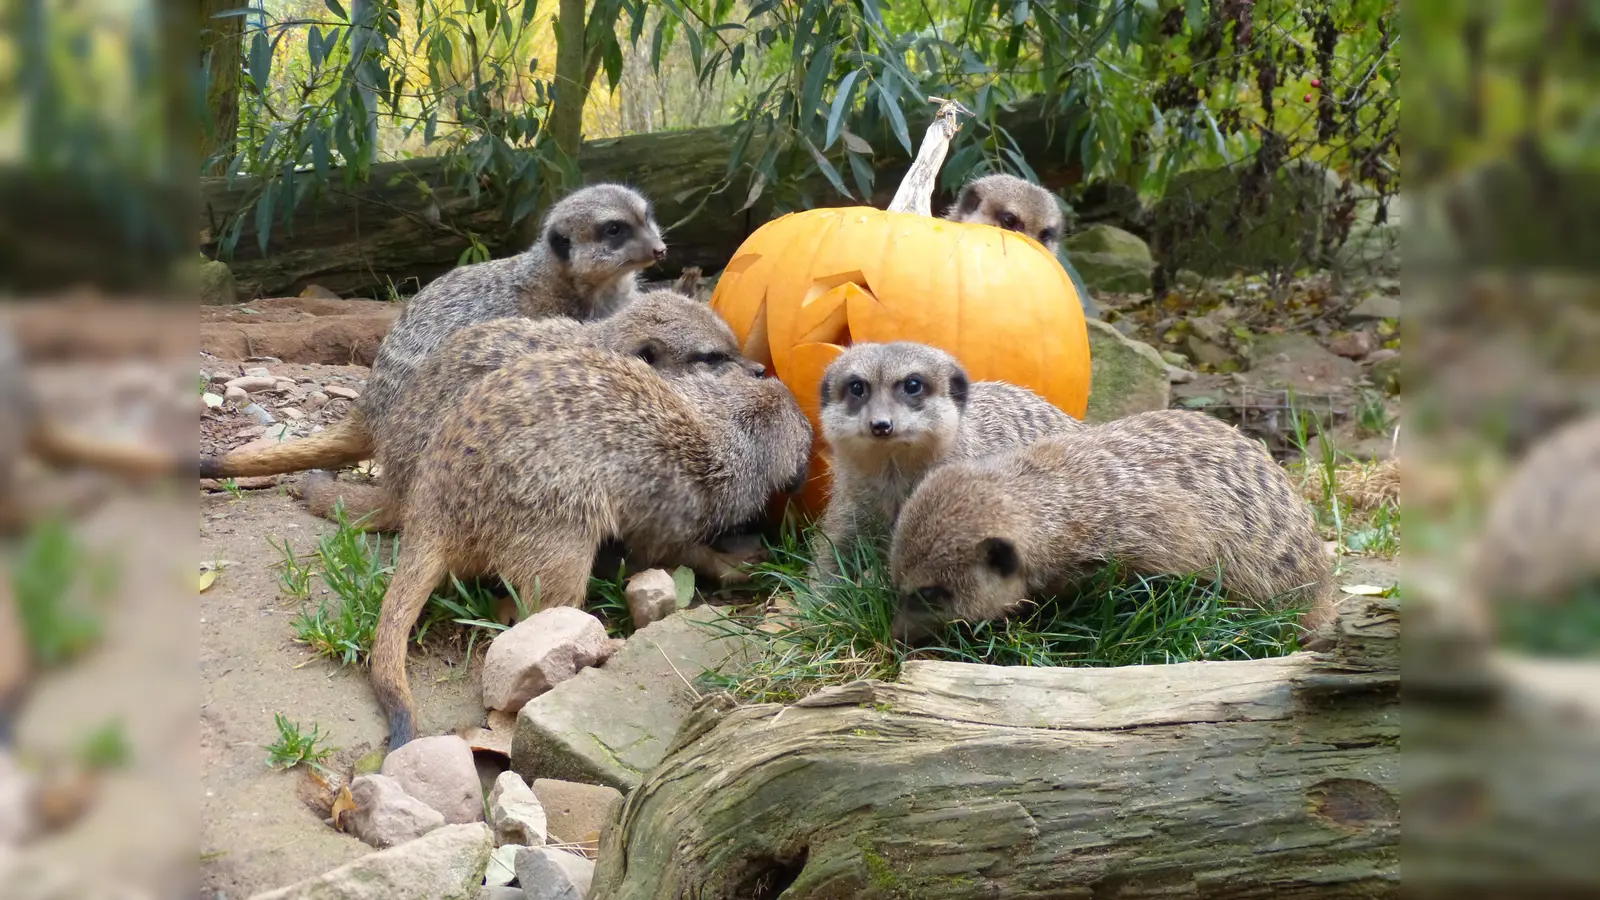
(440, 772)
(215, 283)
(546, 873)
(516, 813)
(1299, 362)
(1208, 222)
(577, 812)
(1110, 259)
(1126, 376)
(611, 724)
(539, 653)
(385, 815)
(445, 864)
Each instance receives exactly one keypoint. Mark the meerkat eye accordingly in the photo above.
(1008, 221)
(709, 359)
(913, 386)
(857, 387)
(1047, 235)
(612, 229)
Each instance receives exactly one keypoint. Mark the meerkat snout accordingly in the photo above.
(882, 427)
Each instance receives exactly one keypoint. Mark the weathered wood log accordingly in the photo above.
(1267, 778)
(363, 241)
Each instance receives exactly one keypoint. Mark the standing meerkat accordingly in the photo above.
(892, 412)
(549, 456)
(591, 248)
(671, 333)
(1012, 203)
(1165, 492)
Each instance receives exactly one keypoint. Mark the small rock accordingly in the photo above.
(238, 396)
(1206, 353)
(502, 866)
(1179, 375)
(549, 874)
(213, 401)
(1126, 376)
(447, 863)
(385, 815)
(1353, 345)
(515, 812)
(216, 285)
(1174, 358)
(316, 400)
(284, 385)
(259, 413)
(440, 772)
(278, 432)
(1188, 278)
(257, 372)
(292, 414)
(652, 596)
(251, 384)
(576, 812)
(538, 653)
(251, 433)
(343, 393)
(1375, 306)
(1110, 259)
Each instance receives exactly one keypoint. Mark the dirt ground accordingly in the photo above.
(257, 832)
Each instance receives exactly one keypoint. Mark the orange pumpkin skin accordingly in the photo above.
(808, 284)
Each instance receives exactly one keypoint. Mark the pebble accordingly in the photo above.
(316, 400)
(1353, 345)
(284, 385)
(253, 383)
(343, 393)
(212, 401)
(652, 596)
(539, 653)
(258, 372)
(237, 395)
(440, 772)
(292, 414)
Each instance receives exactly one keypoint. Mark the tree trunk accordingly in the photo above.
(572, 87)
(222, 54)
(1267, 778)
(363, 242)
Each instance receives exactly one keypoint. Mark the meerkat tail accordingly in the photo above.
(367, 506)
(420, 569)
(344, 443)
(65, 447)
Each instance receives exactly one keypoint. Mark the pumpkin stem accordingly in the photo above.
(916, 189)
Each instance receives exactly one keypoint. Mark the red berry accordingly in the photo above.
(1316, 82)
(1308, 98)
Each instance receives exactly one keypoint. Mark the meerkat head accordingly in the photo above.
(958, 551)
(676, 335)
(898, 402)
(603, 232)
(1009, 202)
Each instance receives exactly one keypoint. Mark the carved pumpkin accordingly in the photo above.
(804, 286)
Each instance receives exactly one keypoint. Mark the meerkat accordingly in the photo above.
(592, 246)
(1012, 203)
(670, 332)
(891, 413)
(549, 456)
(1540, 541)
(1165, 492)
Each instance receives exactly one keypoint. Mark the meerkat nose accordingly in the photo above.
(660, 252)
(882, 427)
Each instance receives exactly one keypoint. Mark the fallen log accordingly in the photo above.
(1266, 778)
(391, 233)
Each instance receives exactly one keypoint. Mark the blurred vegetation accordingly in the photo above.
(1140, 89)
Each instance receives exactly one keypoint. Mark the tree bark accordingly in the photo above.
(572, 87)
(363, 242)
(1267, 778)
(222, 53)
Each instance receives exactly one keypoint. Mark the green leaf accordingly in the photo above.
(1088, 13)
(897, 119)
(1019, 13)
(337, 9)
(260, 60)
(314, 46)
(612, 59)
(841, 102)
(736, 60)
(264, 219)
(816, 74)
(861, 170)
(695, 50)
(529, 9)
(656, 45)
(683, 584)
(827, 168)
(1194, 14)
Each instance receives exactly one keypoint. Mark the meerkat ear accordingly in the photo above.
(560, 245)
(649, 352)
(958, 388)
(1000, 555)
(969, 201)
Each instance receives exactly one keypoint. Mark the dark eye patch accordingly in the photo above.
(709, 359)
(615, 232)
(912, 385)
(856, 387)
(933, 598)
(1008, 220)
(1047, 235)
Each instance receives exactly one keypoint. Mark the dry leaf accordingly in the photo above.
(342, 804)
(207, 579)
(1364, 590)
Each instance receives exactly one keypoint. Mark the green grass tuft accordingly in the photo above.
(57, 620)
(293, 748)
(842, 631)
